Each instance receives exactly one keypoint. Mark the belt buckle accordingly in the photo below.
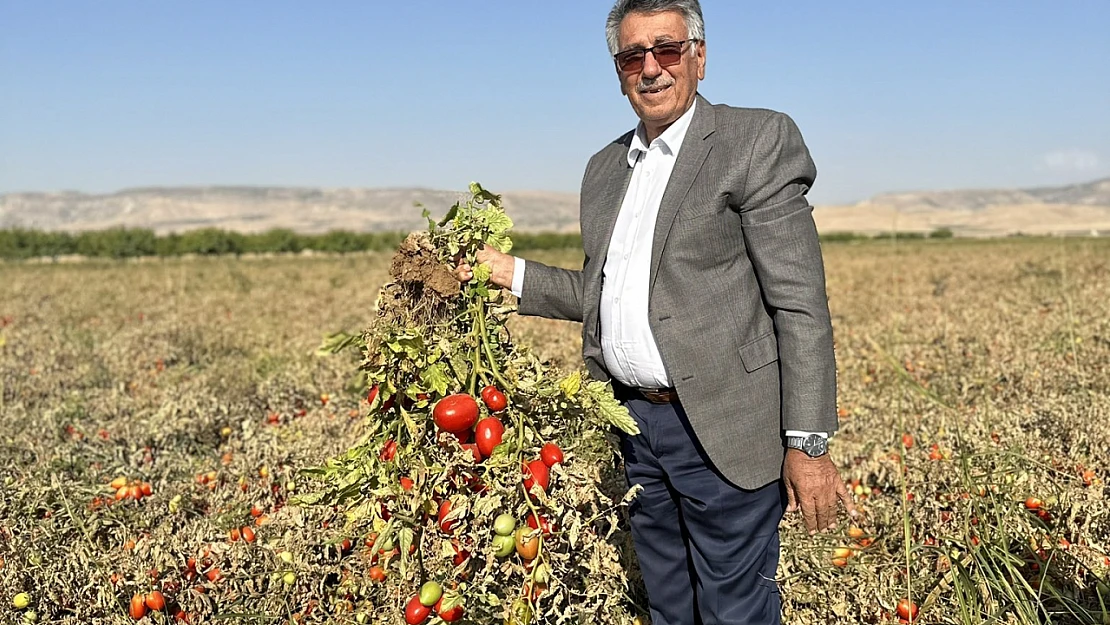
(657, 395)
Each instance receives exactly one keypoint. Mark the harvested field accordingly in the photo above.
(975, 414)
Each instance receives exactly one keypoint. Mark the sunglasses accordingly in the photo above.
(666, 54)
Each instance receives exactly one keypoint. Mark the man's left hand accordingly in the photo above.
(813, 485)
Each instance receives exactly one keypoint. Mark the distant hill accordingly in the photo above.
(256, 209)
(1071, 209)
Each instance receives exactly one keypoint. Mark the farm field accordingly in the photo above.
(974, 393)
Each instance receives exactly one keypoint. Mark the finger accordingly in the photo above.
(809, 513)
(826, 511)
(791, 502)
(846, 498)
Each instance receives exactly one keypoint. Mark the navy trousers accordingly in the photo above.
(707, 549)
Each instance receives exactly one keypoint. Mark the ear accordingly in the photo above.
(620, 80)
(701, 60)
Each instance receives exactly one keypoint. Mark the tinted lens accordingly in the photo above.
(631, 61)
(668, 53)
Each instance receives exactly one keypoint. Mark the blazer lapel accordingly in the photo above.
(615, 180)
(695, 148)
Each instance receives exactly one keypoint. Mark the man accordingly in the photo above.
(702, 298)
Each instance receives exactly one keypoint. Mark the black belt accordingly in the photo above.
(653, 395)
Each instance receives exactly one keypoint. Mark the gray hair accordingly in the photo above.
(690, 10)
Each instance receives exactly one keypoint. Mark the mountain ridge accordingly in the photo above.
(1075, 208)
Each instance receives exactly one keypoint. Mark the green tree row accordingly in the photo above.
(18, 244)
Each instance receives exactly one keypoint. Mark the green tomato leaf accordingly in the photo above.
(435, 378)
(571, 384)
(599, 399)
(482, 272)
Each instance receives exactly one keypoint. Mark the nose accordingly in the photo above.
(652, 68)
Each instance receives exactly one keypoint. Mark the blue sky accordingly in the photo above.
(100, 95)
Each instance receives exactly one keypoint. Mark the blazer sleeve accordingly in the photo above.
(781, 239)
(551, 292)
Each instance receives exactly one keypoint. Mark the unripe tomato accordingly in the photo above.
(21, 600)
(503, 545)
(551, 454)
(118, 483)
(138, 606)
(494, 399)
(416, 612)
(488, 434)
(155, 601)
(535, 472)
(527, 546)
(455, 413)
(504, 524)
(430, 593)
(451, 614)
(907, 610)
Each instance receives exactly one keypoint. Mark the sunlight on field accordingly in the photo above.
(198, 376)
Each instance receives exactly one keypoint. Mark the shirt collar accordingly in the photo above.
(670, 141)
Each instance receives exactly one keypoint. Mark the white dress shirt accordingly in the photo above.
(631, 354)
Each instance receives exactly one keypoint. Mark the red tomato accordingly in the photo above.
(488, 434)
(907, 610)
(535, 472)
(389, 451)
(155, 601)
(461, 555)
(247, 533)
(473, 448)
(551, 454)
(543, 523)
(377, 574)
(406, 483)
(233, 534)
(494, 398)
(416, 612)
(1033, 503)
(451, 615)
(372, 395)
(138, 606)
(456, 413)
(463, 436)
(146, 489)
(907, 440)
(444, 510)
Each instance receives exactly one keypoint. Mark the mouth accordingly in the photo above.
(654, 89)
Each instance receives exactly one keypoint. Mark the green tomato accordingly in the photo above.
(289, 578)
(286, 557)
(430, 592)
(504, 525)
(503, 546)
(22, 600)
(30, 617)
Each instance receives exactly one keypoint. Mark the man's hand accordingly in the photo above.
(813, 485)
(502, 265)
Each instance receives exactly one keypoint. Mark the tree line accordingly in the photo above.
(16, 243)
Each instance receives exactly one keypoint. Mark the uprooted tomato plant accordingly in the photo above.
(478, 485)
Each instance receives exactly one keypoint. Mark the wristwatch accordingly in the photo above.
(813, 445)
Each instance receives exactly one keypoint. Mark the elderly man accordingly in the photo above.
(702, 297)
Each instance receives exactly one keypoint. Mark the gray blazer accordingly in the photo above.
(737, 299)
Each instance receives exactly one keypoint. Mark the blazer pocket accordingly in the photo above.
(760, 352)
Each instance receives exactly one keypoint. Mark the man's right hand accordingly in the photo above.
(500, 263)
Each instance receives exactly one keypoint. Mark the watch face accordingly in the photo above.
(815, 445)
